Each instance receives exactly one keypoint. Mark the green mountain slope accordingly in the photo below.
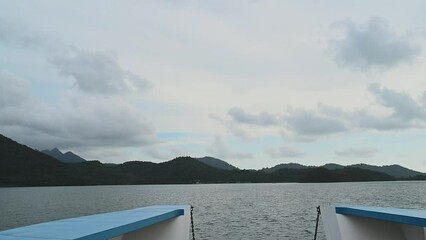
(393, 170)
(217, 163)
(23, 166)
(285, 165)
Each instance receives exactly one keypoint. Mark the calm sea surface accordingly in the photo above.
(222, 211)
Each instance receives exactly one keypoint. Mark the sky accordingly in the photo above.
(255, 83)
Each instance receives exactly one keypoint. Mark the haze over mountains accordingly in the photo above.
(70, 157)
(23, 166)
(396, 171)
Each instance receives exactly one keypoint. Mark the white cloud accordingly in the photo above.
(402, 104)
(93, 72)
(204, 59)
(370, 45)
(232, 127)
(357, 152)
(79, 121)
(107, 121)
(310, 123)
(404, 111)
(284, 152)
(160, 154)
(400, 111)
(98, 72)
(14, 92)
(18, 107)
(166, 151)
(221, 150)
(15, 34)
(97, 116)
(297, 121)
(263, 118)
(291, 136)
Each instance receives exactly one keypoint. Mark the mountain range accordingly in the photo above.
(23, 166)
(395, 170)
(68, 157)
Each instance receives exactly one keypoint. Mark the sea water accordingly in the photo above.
(222, 211)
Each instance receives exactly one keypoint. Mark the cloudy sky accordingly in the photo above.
(256, 83)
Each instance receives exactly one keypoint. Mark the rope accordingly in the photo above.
(316, 226)
(192, 223)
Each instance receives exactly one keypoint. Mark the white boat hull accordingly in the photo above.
(360, 223)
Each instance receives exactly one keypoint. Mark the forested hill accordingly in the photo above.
(395, 171)
(217, 163)
(23, 166)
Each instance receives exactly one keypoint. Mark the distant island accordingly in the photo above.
(23, 166)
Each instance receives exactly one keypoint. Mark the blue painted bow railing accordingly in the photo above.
(150, 223)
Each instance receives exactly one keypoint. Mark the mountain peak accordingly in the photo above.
(332, 166)
(217, 163)
(285, 165)
(54, 150)
(68, 157)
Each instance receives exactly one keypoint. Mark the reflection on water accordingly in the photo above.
(222, 211)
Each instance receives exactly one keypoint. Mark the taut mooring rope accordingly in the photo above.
(192, 223)
(316, 226)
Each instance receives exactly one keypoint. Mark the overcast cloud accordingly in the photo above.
(220, 149)
(98, 72)
(19, 35)
(370, 45)
(263, 118)
(297, 121)
(403, 105)
(311, 123)
(233, 127)
(13, 92)
(404, 112)
(260, 81)
(80, 121)
(93, 72)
